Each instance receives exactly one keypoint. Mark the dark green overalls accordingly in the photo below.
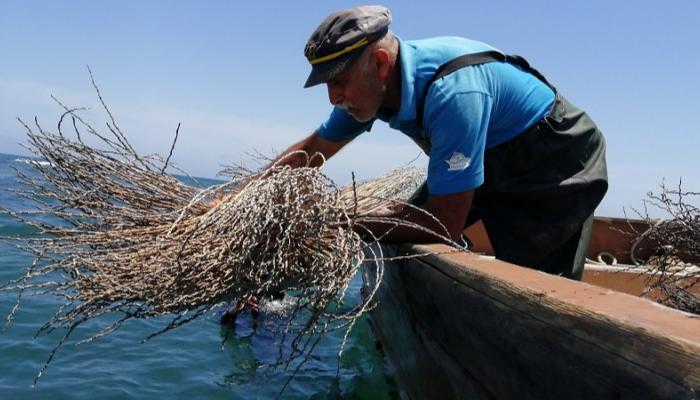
(541, 187)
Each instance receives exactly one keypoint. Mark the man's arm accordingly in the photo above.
(457, 123)
(312, 144)
(451, 210)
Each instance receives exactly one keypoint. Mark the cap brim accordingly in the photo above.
(324, 72)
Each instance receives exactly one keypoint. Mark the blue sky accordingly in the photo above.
(232, 74)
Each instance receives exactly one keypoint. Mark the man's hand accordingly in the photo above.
(216, 201)
(224, 196)
(312, 145)
(441, 219)
(383, 211)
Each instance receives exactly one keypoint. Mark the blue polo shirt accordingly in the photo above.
(466, 112)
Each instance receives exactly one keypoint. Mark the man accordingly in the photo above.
(504, 146)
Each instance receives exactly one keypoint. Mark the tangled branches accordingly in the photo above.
(119, 236)
(675, 242)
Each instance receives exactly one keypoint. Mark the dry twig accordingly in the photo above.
(675, 241)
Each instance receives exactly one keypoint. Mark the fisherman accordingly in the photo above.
(504, 146)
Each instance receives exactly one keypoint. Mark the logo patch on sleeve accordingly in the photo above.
(458, 162)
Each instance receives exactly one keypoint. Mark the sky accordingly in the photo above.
(232, 74)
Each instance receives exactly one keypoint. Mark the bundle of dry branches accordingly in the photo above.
(675, 245)
(118, 235)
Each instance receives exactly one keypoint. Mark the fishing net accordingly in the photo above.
(117, 235)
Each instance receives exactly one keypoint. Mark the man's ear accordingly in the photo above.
(381, 61)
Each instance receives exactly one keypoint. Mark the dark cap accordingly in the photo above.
(340, 39)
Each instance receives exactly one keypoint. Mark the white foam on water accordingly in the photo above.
(278, 307)
(32, 162)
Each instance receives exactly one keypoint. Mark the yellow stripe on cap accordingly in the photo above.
(337, 54)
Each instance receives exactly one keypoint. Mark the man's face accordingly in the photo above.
(360, 90)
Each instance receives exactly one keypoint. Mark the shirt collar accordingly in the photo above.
(407, 58)
(407, 108)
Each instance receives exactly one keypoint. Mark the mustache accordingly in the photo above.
(346, 105)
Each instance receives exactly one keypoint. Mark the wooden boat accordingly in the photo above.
(468, 326)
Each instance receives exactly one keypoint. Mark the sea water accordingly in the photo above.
(201, 360)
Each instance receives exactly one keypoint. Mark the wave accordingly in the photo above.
(32, 161)
(17, 229)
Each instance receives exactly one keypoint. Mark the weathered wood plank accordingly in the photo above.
(413, 351)
(524, 334)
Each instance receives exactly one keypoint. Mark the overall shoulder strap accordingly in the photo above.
(474, 59)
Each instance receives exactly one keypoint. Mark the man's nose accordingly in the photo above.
(335, 95)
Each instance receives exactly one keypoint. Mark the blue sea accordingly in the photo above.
(201, 360)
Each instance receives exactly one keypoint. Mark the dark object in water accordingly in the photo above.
(229, 317)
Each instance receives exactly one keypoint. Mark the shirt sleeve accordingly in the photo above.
(456, 127)
(341, 126)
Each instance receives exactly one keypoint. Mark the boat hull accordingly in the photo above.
(464, 326)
